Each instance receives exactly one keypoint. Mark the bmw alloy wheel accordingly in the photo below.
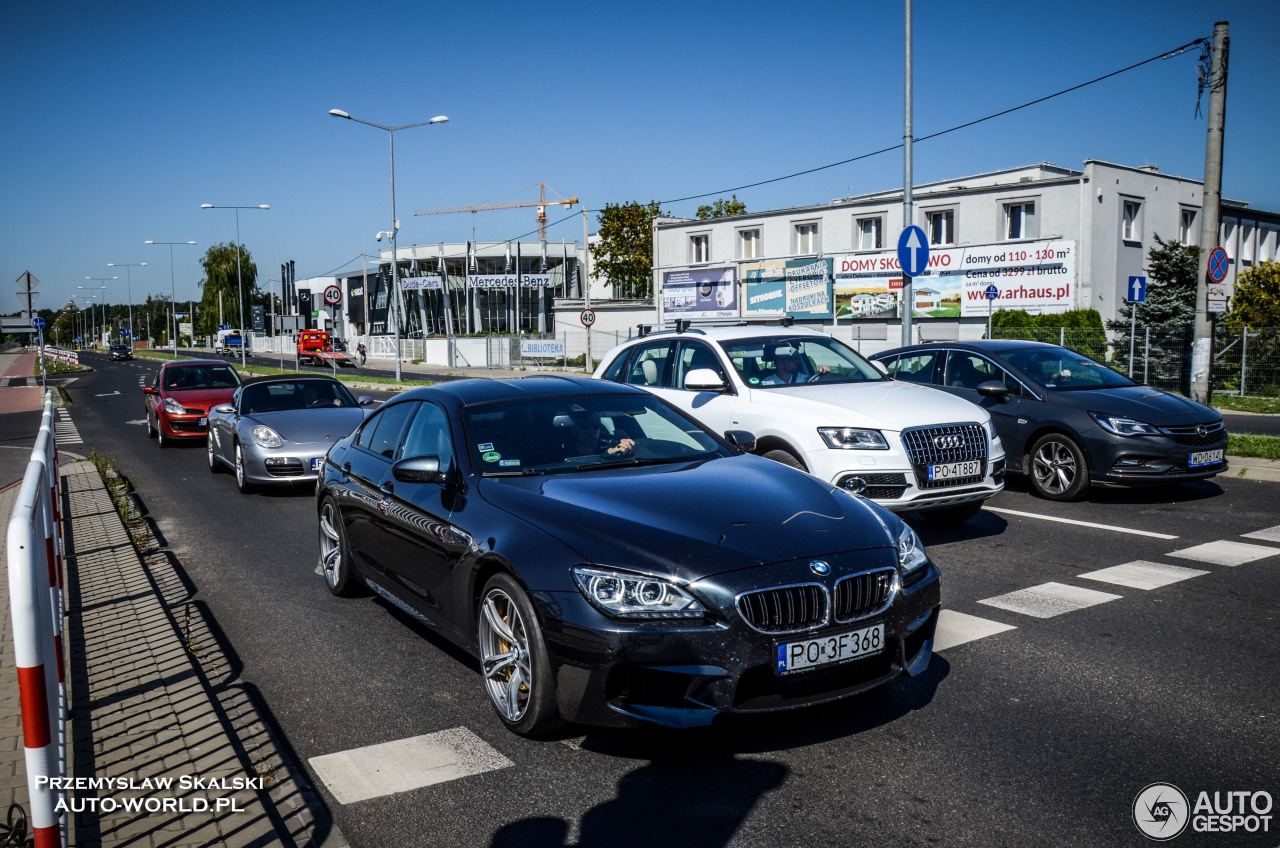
(504, 655)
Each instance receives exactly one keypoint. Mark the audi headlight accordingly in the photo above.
(991, 431)
(911, 555)
(172, 407)
(265, 437)
(1122, 426)
(850, 438)
(635, 596)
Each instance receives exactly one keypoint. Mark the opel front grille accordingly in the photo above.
(1196, 435)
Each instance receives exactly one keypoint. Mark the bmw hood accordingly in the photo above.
(888, 405)
(1143, 403)
(693, 521)
(310, 426)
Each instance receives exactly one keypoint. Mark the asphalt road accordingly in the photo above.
(1042, 734)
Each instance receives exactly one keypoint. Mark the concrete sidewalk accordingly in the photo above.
(153, 698)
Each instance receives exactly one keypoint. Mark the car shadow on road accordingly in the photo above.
(1161, 493)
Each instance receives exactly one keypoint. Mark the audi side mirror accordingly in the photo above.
(703, 380)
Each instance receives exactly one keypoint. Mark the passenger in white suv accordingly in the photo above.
(815, 404)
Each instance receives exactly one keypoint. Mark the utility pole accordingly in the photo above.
(908, 299)
(1202, 349)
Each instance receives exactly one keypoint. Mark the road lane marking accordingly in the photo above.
(64, 429)
(957, 628)
(1271, 534)
(406, 764)
(1049, 599)
(1225, 552)
(1080, 523)
(1143, 575)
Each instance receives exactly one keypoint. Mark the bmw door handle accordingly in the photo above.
(388, 487)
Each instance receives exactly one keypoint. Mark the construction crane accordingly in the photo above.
(541, 203)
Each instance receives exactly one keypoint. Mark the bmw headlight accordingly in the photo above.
(1122, 426)
(265, 437)
(911, 555)
(851, 438)
(635, 596)
(172, 407)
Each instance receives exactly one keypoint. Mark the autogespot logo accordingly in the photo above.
(1160, 811)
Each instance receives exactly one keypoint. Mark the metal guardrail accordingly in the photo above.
(34, 552)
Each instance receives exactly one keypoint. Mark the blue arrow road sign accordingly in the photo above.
(992, 292)
(38, 323)
(913, 251)
(1137, 290)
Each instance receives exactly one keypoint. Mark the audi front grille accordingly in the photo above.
(941, 445)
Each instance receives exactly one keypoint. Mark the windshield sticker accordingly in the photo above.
(486, 447)
(509, 462)
(491, 456)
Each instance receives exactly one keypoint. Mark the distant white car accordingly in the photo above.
(814, 403)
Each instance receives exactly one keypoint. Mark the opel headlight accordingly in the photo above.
(265, 437)
(635, 596)
(911, 555)
(851, 438)
(172, 407)
(1122, 426)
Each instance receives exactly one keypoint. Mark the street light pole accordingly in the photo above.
(103, 288)
(173, 292)
(129, 282)
(239, 276)
(395, 225)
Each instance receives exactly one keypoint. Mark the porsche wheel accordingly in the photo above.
(242, 477)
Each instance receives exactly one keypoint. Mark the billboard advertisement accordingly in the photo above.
(800, 288)
(700, 293)
(1036, 277)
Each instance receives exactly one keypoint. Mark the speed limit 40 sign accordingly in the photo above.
(587, 317)
(332, 295)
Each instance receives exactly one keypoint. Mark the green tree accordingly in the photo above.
(1256, 302)
(1084, 331)
(723, 208)
(1168, 313)
(220, 278)
(624, 254)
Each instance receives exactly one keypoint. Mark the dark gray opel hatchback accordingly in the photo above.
(612, 562)
(1068, 422)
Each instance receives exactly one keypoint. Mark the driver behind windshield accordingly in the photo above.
(587, 437)
(789, 367)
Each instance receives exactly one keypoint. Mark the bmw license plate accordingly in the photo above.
(1199, 459)
(953, 470)
(316, 462)
(204, 422)
(794, 656)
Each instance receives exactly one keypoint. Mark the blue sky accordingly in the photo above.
(122, 118)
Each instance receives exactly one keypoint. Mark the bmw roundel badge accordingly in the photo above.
(819, 567)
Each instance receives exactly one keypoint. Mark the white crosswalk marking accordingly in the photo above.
(1271, 534)
(1143, 575)
(1049, 599)
(64, 429)
(957, 628)
(1226, 552)
(378, 770)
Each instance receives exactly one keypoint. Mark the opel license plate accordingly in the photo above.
(794, 656)
(1199, 459)
(953, 470)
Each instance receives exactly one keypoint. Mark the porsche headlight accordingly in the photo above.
(911, 555)
(172, 407)
(852, 438)
(265, 437)
(634, 596)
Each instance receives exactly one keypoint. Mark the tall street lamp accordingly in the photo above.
(395, 225)
(173, 292)
(129, 282)
(239, 276)
(103, 289)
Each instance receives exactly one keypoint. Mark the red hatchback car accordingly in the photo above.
(178, 401)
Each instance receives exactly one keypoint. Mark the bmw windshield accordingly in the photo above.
(581, 432)
(1062, 370)
(780, 360)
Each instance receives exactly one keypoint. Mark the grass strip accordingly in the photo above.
(1262, 447)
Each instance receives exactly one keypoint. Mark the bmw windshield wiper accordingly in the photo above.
(624, 463)
(523, 472)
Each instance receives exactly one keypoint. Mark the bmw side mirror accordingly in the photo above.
(418, 469)
(365, 400)
(994, 389)
(703, 380)
(741, 439)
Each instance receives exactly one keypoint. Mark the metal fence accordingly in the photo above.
(1245, 362)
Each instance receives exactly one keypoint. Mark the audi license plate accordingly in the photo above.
(794, 656)
(1199, 459)
(953, 470)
